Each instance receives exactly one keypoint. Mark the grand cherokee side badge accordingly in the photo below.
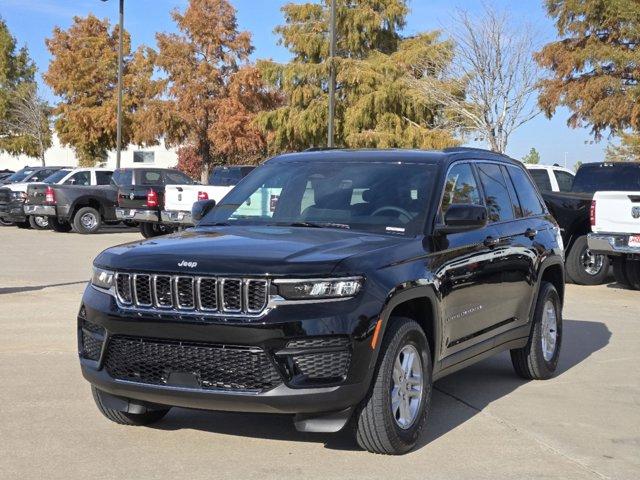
(184, 263)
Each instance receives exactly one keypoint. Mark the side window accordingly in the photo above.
(80, 178)
(496, 193)
(41, 175)
(460, 187)
(177, 178)
(103, 178)
(541, 177)
(122, 177)
(565, 180)
(529, 200)
(515, 204)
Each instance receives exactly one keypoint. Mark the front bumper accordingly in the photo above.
(13, 212)
(40, 210)
(611, 244)
(293, 393)
(176, 217)
(137, 215)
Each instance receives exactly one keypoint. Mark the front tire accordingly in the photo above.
(38, 223)
(87, 221)
(538, 360)
(392, 416)
(23, 225)
(124, 418)
(5, 223)
(59, 226)
(584, 267)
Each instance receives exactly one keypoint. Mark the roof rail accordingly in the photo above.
(472, 149)
(320, 149)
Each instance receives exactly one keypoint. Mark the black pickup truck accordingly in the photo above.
(141, 197)
(572, 210)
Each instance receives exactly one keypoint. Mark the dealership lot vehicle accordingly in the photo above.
(179, 199)
(551, 178)
(615, 222)
(582, 424)
(80, 200)
(141, 195)
(370, 278)
(14, 193)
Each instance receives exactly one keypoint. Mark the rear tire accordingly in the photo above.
(59, 226)
(619, 271)
(23, 225)
(87, 221)
(391, 418)
(538, 360)
(150, 230)
(39, 223)
(585, 268)
(632, 270)
(124, 418)
(5, 223)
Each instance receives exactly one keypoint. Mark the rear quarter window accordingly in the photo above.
(541, 177)
(530, 203)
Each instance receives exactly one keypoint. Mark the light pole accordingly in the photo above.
(332, 75)
(119, 120)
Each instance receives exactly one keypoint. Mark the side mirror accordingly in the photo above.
(462, 218)
(201, 208)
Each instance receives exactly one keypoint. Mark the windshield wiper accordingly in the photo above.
(314, 225)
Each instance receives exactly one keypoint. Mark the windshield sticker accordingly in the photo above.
(395, 229)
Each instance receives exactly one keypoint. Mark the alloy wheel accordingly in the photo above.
(408, 386)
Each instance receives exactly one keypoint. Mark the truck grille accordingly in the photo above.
(5, 195)
(196, 294)
(195, 365)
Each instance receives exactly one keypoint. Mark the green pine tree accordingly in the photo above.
(532, 158)
(376, 102)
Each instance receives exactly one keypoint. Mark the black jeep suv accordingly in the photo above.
(331, 285)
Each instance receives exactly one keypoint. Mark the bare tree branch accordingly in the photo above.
(494, 67)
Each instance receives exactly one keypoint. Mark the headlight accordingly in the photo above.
(319, 288)
(102, 278)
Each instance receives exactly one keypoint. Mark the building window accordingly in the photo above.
(143, 157)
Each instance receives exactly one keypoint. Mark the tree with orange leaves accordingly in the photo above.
(213, 93)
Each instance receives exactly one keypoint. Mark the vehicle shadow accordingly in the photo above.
(456, 398)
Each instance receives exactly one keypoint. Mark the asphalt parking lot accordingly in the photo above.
(485, 421)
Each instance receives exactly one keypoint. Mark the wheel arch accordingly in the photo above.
(82, 202)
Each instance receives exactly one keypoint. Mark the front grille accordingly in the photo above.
(322, 342)
(92, 337)
(204, 366)
(330, 365)
(198, 294)
(5, 195)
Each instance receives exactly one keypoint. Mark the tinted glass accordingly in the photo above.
(40, 175)
(515, 204)
(80, 178)
(122, 177)
(225, 176)
(599, 177)
(388, 198)
(57, 176)
(103, 178)
(177, 178)
(19, 175)
(496, 195)
(149, 177)
(541, 177)
(565, 180)
(460, 187)
(529, 199)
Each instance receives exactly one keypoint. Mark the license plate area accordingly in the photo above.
(634, 241)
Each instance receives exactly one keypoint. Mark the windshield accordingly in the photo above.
(602, 177)
(56, 177)
(20, 175)
(387, 197)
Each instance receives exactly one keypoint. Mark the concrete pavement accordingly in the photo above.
(485, 421)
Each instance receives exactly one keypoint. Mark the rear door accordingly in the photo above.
(134, 196)
(617, 212)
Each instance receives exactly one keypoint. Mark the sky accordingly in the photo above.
(31, 21)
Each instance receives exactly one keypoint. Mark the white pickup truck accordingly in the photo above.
(615, 225)
(178, 199)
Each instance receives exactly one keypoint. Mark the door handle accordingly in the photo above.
(530, 233)
(491, 242)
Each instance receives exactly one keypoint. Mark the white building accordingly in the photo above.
(58, 155)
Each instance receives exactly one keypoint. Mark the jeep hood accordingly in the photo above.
(246, 251)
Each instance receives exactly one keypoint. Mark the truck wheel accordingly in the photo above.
(539, 358)
(5, 223)
(392, 416)
(584, 267)
(59, 226)
(619, 271)
(39, 223)
(87, 220)
(23, 225)
(147, 231)
(124, 418)
(632, 270)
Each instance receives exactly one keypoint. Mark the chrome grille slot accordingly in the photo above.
(142, 290)
(123, 288)
(185, 295)
(255, 295)
(208, 294)
(231, 294)
(162, 287)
